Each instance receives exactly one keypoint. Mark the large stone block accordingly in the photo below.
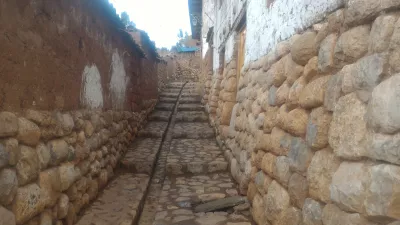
(294, 121)
(7, 217)
(348, 143)
(364, 75)
(333, 91)
(28, 132)
(352, 45)
(383, 192)
(58, 151)
(50, 185)
(382, 111)
(362, 11)
(326, 53)
(304, 48)
(332, 215)
(8, 186)
(381, 32)
(230, 84)
(319, 174)
(350, 184)
(28, 203)
(298, 189)
(276, 201)
(8, 124)
(312, 212)
(313, 94)
(28, 165)
(300, 155)
(318, 127)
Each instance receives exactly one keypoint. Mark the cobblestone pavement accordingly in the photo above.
(173, 166)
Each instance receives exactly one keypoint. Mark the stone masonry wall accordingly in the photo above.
(314, 134)
(53, 164)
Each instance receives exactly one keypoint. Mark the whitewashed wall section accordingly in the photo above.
(91, 89)
(268, 26)
(118, 82)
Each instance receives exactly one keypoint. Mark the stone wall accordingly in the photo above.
(313, 136)
(53, 164)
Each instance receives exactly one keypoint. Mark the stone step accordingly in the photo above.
(193, 130)
(119, 202)
(189, 100)
(181, 194)
(141, 156)
(160, 116)
(169, 94)
(191, 116)
(154, 129)
(192, 156)
(165, 106)
(190, 107)
(167, 100)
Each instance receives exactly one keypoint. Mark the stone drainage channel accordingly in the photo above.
(174, 172)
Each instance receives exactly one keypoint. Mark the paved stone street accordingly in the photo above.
(174, 165)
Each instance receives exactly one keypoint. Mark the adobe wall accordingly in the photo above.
(74, 91)
(312, 134)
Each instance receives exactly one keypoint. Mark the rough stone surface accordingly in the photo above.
(268, 163)
(8, 124)
(277, 71)
(294, 92)
(361, 11)
(326, 53)
(382, 110)
(28, 132)
(332, 215)
(311, 69)
(8, 186)
(313, 94)
(318, 127)
(320, 172)
(304, 48)
(281, 170)
(312, 212)
(28, 165)
(352, 44)
(298, 189)
(276, 201)
(294, 121)
(292, 71)
(7, 217)
(28, 202)
(291, 215)
(381, 32)
(348, 128)
(58, 151)
(258, 210)
(333, 91)
(383, 147)
(300, 155)
(349, 185)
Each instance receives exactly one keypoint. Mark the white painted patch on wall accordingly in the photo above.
(91, 89)
(230, 47)
(118, 82)
(266, 27)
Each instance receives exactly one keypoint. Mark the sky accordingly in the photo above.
(161, 19)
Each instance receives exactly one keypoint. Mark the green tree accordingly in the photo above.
(125, 18)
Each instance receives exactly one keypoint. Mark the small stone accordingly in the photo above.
(319, 174)
(9, 152)
(333, 91)
(276, 201)
(298, 189)
(4, 156)
(352, 45)
(291, 215)
(272, 96)
(270, 119)
(268, 163)
(326, 53)
(312, 212)
(300, 155)
(318, 127)
(7, 217)
(43, 154)
(348, 143)
(304, 48)
(349, 185)
(88, 128)
(8, 124)
(313, 94)
(294, 93)
(28, 132)
(8, 186)
(58, 151)
(68, 175)
(28, 165)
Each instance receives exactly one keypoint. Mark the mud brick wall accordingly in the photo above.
(53, 164)
(314, 133)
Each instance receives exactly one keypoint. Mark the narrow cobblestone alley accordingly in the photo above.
(174, 165)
